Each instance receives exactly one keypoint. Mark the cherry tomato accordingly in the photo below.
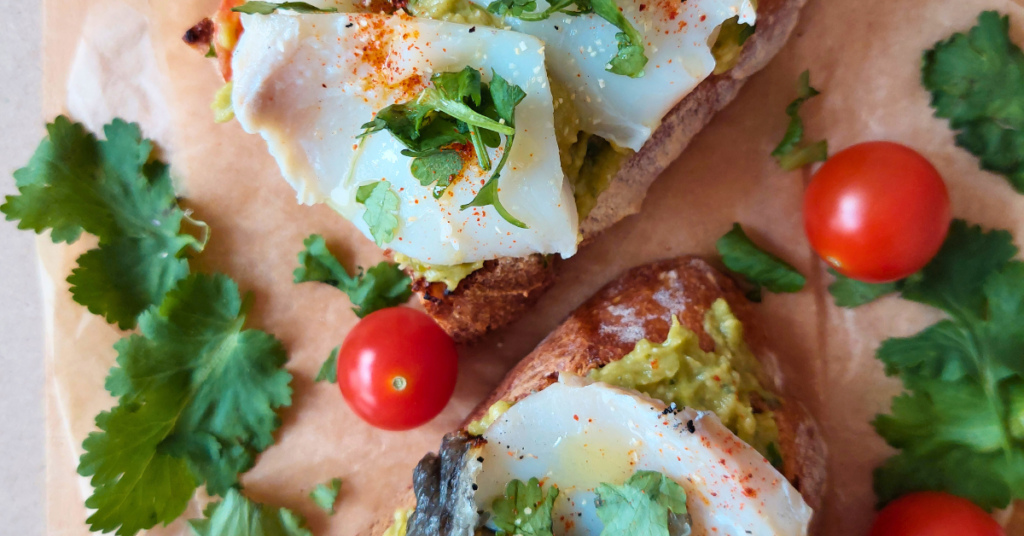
(397, 368)
(877, 211)
(930, 513)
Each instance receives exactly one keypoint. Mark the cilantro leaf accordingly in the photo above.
(383, 285)
(977, 82)
(645, 505)
(525, 509)
(952, 440)
(960, 425)
(458, 108)
(459, 85)
(364, 191)
(255, 7)
(852, 293)
(437, 169)
(198, 395)
(742, 256)
(238, 516)
(329, 370)
(381, 214)
(115, 190)
(953, 280)
(325, 495)
(505, 97)
(630, 58)
(788, 153)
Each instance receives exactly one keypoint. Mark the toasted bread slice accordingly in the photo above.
(489, 301)
(598, 333)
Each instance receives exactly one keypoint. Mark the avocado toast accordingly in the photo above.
(676, 300)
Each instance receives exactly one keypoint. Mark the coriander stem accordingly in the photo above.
(431, 97)
(200, 245)
(481, 150)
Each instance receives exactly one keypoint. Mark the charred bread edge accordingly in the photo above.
(481, 302)
(578, 346)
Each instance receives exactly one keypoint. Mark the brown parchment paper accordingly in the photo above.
(124, 57)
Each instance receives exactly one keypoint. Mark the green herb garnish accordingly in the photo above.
(238, 516)
(960, 425)
(118, 191)
(197, 400)
(630, 58)
(646, 505)
(788, 153)
(329, 370)
(525, 509)
(381, 214)
(383, 285)
(741, 255)
(325, 495)
(852, 293)
(457, 109)
(977, 82)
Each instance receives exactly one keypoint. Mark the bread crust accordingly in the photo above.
(640, 304)
(485, 303)
(490, 297)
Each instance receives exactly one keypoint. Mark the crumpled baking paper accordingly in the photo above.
(106, 58)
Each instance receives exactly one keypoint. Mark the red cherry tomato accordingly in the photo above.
(397, 368)
(877, 211)
(930, 513)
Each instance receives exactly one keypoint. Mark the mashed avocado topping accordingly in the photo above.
(462, 11)
(435, 273)
(599, 163)
(400, 524)
(221, 105)
(723, 381)
(729, 41)
(477, 428)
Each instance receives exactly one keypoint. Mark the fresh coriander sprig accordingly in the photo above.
(326, 494)
(645, 505)
(118, 191)
(524, 509)
(458, 109)
(329, 370)
(505, 97)
(762, 269)
(198, 396)
(959, 425)
(383, 285)
(789, 154)
(238, 516)
(977, 82)
(630, 57)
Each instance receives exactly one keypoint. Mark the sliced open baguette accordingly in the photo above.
(505, 288)
(592, 336)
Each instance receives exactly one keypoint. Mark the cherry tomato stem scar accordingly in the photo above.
(399, 383)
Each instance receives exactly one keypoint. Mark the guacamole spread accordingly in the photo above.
(462, 11)
(437, 273)
(400, 524)
(723, 381)
(477, 428)
(221, 105)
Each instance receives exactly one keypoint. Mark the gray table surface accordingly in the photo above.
(21, 319)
